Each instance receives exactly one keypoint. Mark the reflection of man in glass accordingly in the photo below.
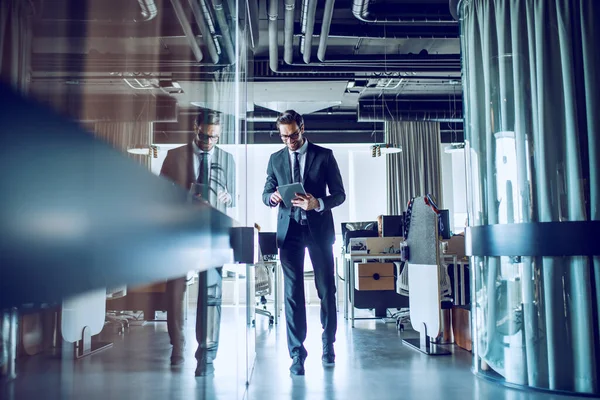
(200, 162)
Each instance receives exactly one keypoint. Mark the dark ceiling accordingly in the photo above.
(377, 60)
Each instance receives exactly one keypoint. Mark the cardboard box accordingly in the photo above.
(358, 246)
(461, 327)
(456, 245)
(384, 245)
(158, 287)
(374, 276)
(375, 245)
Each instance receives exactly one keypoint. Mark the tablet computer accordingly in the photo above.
(288, 192)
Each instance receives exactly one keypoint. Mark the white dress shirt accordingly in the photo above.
(197, 152)
(302, 158)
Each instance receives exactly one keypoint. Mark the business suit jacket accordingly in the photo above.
(179, 167)
(321, 172)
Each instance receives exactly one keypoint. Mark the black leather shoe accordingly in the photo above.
(204, 369)
(328, 357)
(177, 357)
(297, 367)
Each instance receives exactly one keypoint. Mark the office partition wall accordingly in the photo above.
(531, 123)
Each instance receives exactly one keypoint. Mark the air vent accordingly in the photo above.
(391, 108)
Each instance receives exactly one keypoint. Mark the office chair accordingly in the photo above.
(262, 289)
(117, 319)
(267, 247)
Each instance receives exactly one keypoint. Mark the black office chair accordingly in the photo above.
(267, 242)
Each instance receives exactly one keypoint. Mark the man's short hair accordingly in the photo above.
(208, 117)
(288, 117)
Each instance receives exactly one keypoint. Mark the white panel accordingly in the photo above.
(301, 107)
(459, 188)
(447, 183)
(366, 192)
(424, 297)
(281, 96)
(87, 309)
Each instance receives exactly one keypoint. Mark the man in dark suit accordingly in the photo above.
(214, 169)
(307, 224)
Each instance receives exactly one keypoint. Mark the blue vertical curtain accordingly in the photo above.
(531, 98)
(15, 43)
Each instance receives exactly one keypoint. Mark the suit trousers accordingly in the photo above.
(208, 313)
(292, 252)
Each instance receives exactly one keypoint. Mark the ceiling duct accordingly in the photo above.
(187, 29)
(288, 29)
(273, 30)
(206, 25)
(325, 27)
(253, 18)
(371, 31)
(148, 9)
(393, 108)
(225, 32)
(311, 10)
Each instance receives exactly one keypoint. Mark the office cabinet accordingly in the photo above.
(374, 276)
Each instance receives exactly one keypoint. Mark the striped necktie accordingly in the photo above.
(297, 211)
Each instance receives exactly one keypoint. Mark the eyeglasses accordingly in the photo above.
(292, 136)
(205, 137)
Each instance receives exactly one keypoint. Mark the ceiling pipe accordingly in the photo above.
(201, 21)
(149, 10)
(454, 8)
(310, 26)
(210, 22)
(187, 30)
(224, 28)
(288, 31)
(303, 13)
(360, 10)
(253, 18)
(325, 26)
(273, 42)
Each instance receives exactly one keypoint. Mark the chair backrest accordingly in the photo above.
(358, 226)
(267, 241)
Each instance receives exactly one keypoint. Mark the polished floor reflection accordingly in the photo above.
(371, 363)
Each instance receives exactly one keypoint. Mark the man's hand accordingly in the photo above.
(224, 197)
(305, 201)
(275, 198)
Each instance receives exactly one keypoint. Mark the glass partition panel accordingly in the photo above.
(163, 83)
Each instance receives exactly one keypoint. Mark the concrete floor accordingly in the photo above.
(371, 363)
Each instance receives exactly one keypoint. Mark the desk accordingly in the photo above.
(349, 277)
(457, 263)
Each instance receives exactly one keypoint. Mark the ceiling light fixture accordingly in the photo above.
(378, 149)
(454, 148)
(143, 150)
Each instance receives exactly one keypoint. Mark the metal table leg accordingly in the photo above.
(463, 297)
(455, 269)
(276, 288)
(346, 284)
(351, 288)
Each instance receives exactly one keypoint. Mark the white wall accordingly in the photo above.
(454, 188)
(447, 182)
